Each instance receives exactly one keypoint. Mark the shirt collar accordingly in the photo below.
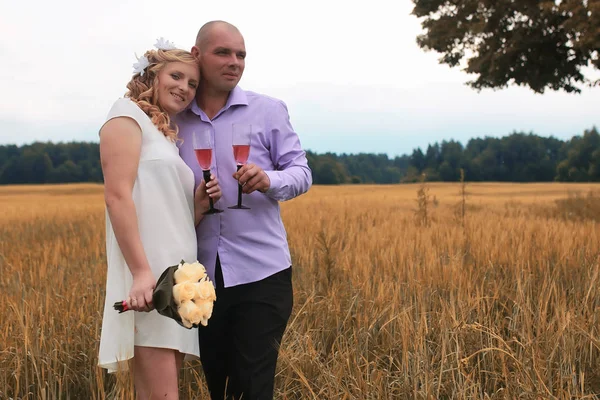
(237, 97)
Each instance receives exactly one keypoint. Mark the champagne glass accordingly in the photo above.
(241, 139)
(203, 146)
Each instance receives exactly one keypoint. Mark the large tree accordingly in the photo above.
(541, 44)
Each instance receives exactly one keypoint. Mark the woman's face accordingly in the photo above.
(176, 87)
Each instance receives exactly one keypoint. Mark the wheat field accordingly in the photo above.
(431, 291)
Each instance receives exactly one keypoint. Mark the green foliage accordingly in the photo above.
(50, 163)
(541, 44)
(582, 163)
(518, 157)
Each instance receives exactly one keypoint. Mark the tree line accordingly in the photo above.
(518, 157)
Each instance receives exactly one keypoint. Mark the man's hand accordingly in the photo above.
(252, 177)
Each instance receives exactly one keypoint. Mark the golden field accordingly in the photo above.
(496, 297)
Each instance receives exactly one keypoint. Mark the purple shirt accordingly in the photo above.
(252, 244)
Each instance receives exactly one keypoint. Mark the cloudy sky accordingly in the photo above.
(350, 72)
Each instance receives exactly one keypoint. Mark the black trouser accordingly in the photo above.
(240, 345)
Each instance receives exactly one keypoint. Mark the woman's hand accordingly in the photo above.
(140, 295)
(204, 191)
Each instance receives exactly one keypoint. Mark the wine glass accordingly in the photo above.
(203, 146)
(241, 139)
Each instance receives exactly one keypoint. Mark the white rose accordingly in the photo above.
(189, 272)
(183, 292)
(190, 311)
(186, 323)
(205, 291)
(205, 309)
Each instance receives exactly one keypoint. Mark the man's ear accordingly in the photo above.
(196, 53)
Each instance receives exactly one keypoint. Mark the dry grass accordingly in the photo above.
(506, 307)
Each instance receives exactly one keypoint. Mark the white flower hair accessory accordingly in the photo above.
(141, 65)
(143, 62)
(164, 44)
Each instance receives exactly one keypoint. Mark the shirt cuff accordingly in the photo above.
(275, 179)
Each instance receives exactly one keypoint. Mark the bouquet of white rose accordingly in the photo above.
(184, 293)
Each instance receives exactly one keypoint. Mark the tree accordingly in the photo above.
(418, 160)
(432, 156)
(583, 159)
(10, 172)
(541, 44)
(329, 172)
(33, 166)
(66, 172)
(452, 153)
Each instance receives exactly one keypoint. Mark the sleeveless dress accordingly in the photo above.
(163, 194)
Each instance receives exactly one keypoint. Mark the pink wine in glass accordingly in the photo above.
(204, 157)
(203, 144)
(241, 153)
(241, 138)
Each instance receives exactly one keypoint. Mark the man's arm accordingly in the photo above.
(292, 176)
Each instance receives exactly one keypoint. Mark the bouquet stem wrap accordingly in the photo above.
(167, 305)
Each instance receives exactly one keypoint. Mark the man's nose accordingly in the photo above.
(234, 60)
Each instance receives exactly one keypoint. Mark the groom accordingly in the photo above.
(245, 251)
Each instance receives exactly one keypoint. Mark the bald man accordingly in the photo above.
(245, 251)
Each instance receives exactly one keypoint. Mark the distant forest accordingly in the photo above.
(518, 157)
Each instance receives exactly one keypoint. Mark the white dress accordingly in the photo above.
(163, 196)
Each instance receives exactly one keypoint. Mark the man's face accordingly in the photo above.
(222, 59)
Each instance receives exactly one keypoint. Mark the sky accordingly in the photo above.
(350, 72)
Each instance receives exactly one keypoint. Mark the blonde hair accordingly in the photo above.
(142, 88)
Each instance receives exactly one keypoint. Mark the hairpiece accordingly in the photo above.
(143, 62)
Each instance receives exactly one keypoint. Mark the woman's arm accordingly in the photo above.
(120, 146)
